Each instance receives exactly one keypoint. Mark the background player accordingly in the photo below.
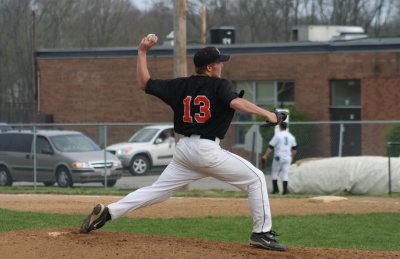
(284, 146)
(203, 105)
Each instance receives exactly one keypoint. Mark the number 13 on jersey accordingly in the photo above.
(204, 113)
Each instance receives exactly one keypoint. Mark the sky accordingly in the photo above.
(142, 4)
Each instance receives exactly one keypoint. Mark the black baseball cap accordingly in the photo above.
(208, 55)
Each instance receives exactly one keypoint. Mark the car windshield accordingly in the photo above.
(5, 127)
(143, 135)
(74, 143)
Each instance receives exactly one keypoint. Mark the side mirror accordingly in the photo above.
(158, 141)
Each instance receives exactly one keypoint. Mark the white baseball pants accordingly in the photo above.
(195, 159)
(281, 167)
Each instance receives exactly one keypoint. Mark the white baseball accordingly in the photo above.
(150, 36)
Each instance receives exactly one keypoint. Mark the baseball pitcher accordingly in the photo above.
(203, 106)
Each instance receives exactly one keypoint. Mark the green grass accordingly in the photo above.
(376, 231)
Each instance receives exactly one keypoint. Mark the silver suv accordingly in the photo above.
(65, 157)
(150, 146)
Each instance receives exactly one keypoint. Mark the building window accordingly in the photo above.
(264, 94)
(345, 93)
(285, 92)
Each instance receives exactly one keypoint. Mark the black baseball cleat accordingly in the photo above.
(266, 240)
(96, 219)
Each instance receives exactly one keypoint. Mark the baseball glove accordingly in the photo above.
(263, 162)
(281, 117)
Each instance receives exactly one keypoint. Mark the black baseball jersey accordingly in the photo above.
(201, 104)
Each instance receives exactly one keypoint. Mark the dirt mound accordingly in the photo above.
(68, 243)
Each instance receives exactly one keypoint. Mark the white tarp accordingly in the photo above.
(355, 175)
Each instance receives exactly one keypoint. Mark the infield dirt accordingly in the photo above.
(68, 243)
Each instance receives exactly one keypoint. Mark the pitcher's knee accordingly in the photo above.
(256, 185)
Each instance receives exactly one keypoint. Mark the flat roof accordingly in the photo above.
(360, 45)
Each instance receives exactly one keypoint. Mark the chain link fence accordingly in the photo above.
(315, 139)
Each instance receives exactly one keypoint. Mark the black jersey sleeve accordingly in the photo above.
(160, 88)
(225, 92)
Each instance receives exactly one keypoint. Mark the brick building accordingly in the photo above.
(354, 80)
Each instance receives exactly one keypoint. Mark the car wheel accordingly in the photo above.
(139, 165)
(110, 183)
(48, 183)
(63, 177)
(5, 177)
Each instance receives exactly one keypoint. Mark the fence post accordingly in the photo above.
(253, 149)
(34, 159)
(105, 155)
(341, 130)
(389, 169)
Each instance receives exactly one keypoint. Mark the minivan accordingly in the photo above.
(65, 157)
(4, 126)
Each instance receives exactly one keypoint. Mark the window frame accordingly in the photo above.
(254, 84)
(331, 91)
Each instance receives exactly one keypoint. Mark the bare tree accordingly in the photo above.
(114, 23)
(16, 87)
(365, 13)
(158, 20)
(53, 21)
(391, 21)
(84, 23)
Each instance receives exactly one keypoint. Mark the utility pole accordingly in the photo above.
(34, 61)
(204, 23)
(180, 64)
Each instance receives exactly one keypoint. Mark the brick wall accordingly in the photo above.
(105, 89)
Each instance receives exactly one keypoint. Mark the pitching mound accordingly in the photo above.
(68, 243)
